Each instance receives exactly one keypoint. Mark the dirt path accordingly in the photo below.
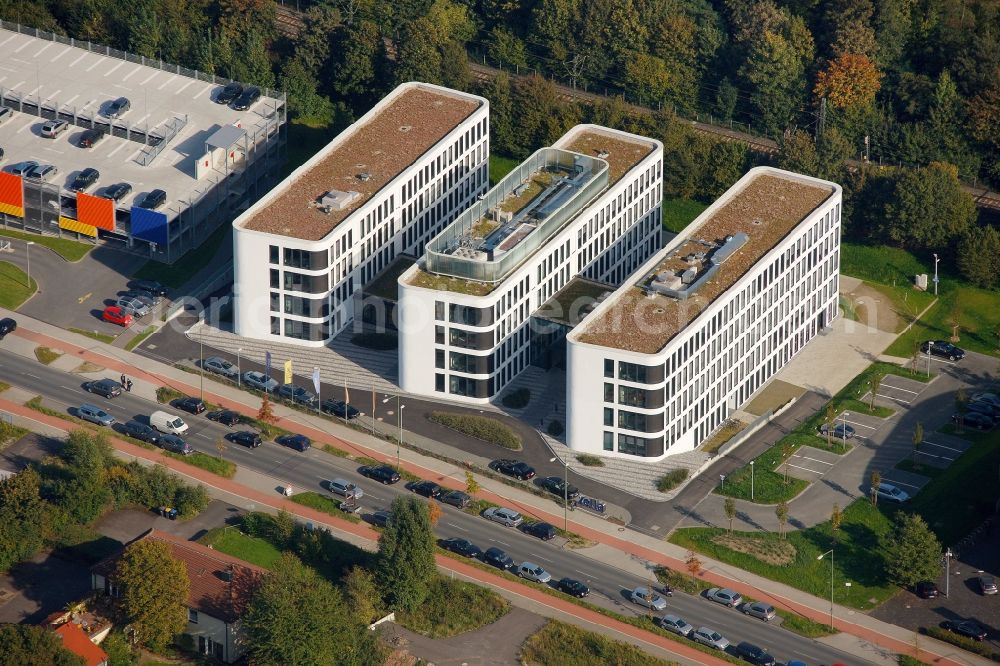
(873, 308)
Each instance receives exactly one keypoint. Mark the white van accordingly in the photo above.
(168, 424)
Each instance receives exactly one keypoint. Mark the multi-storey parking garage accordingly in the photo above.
(661, 363)
(169, 160)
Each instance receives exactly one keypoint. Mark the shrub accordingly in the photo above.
(588, 460)
(983, 649)
(681, 581)
(671, 480)
(480, 427)
(165, 394)
(517, 399)
(555, 428)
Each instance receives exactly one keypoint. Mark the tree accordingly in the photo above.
(119, 651)
(925, 208)
(977, 256)
(912, 552)
(918, 439)
(876, 480)
(433, 512)
(836, 518)
(507, 49)
(357, 72)
(296, 618)
(471, 484)
(221, 446)
(954, 319)
(155, 592)
(775, 72)
(30, 645)
(303, 99)
(849, 81)
(418, 57)
(876, 384)
(831, 416)
(727, 162)
(781, 512)
(786, 454)
(22, 518)
(692, 563)
(729, 506)
(266, 412)
(362, 595)
(404, 566)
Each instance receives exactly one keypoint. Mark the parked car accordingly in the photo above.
(42, 172)
(339, 408)
(149, 286)
(297, 442)
(153, 199)
(91, 138)
(456, 498)
(118, 107)
(559, 487)
(190, 405)
(226, 417)
(108, 388)
(94, 414)
(987, 584)
(381, 473)
(141, 431)
(53, 128)
(926, 590)
(380, 518)
(167, 423)
(710, 638)
(6, 113)
(229, 93)
(984, 396)
(296, 394)
(943, 349)
(983, 408)
(259, 381)
(116, 192)
(724, 596)
(648, 597)
(889, 492)
(175, 444)
(840, 430)
(754, 654)
(7, 325)
(147, 299)
(543, 531)
(133, 306)
(534, 573)
(21, 168)
(573, 588)
(246, 438)
(675, 624)
(498, 558)
(247, 98)
(974, 420)
(85, 179)
(514, 468)
(966, 628)
(759, 610)
(220, 366)
(345, 488)
(504, 516)
(428, 489)
(461, 546)
(116, 315)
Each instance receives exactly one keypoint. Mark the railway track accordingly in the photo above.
(288, 22)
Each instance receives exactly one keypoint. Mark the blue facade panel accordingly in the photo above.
(149, 225)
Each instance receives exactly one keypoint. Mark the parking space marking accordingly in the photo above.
(78, 59)
(860, 425)
(135, 123)
(934, 455)
(167, 82)
(134, 156)
(51, 95)
(85, 297)
(893, 398)
(812, 471)
(112, 70)
(898, 388)
(831, 464)
(942, 446)
(99, 61)
(43, 49)
(34, 90)
(61, 53)
(184, 86)
(8, 39)
(18, 84)
(900, 483)
(201, 92)
(117, 148)
(21, 48)
(136, 69)
(149, 78)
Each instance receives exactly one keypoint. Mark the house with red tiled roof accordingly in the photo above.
(221, 588)
(78, 642)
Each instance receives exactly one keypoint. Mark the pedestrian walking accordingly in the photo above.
(123, 379)
(128, 385)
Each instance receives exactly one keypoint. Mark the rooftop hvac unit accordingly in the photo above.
(688, 276)
(603, 154)
(364, 177)
(337, 200)
(505, 216)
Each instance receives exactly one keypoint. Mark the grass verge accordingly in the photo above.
(94, 335)
(14, 286)
(46, 355)
(4, 386)
(137, 340)
(907, 465)
(220, 466)
(70, 250)
(231, 541)
(588, 460)
(165, 394)
(176, 274)
(454, 607)
(10, 433)
(560, 643)
(671, 480)
(36, 404)
(323, 503)
(480, 427)
(983, 649)
(678, 213)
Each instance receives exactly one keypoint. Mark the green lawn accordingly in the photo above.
(560, 643)
(137, 340)
(856, 556)
(500, 166)
(885, 265)
(176, 274)
(323, 503)
(14, 289)
(94, 335)
(70, 250)
(231, 541)
(454, 607)
(213, 464)
(678, 213)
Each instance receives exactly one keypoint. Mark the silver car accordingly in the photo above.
(675, 624)
(345, 488)
(759, 610)
(710, 637)
(133, 306)
(220, 366)
(506, 517)
(987, 584)
(260, 381)
(533, 572)
(724, 596)
(94, 414)
(648, 598)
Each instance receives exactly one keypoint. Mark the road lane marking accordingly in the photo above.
(28, 374)
(589, 576)
(544, 559)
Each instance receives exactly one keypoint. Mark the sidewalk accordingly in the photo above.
(148, 375)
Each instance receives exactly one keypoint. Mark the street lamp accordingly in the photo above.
(565, 464)
(722, 480)
(399, 414)
(751, 480)
(201, 357)
(820, 557)
(947, 570)
(27, 256)
(936, 260)
(843, 435)
(239, 374)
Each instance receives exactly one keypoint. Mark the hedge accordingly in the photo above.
(480, 427)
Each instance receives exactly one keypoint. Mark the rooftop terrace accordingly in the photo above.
(647, 313)
(364, 159)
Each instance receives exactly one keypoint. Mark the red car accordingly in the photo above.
(116, 315)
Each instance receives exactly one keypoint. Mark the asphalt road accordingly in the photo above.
(307, 471)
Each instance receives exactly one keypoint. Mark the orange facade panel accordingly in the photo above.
(95, 211)
(69, 224)
(11, 194)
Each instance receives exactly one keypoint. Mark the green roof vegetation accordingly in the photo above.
(448, 283)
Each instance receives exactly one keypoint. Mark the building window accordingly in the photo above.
(609, 441)
(192, 616)
(633, 397)
(609, 392)
(275, 302)
(609, 416)
(439, 310)
(439, 335)
(632, 372)
(275, 278)
(462, 386)
(633, 446)
(439, 359)
(275, 326)
(631, 420)
(439, 382)
(609, 368)
(274, 254)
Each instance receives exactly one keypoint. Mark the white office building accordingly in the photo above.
(380, 189)
(588, 206)
(703, 325)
